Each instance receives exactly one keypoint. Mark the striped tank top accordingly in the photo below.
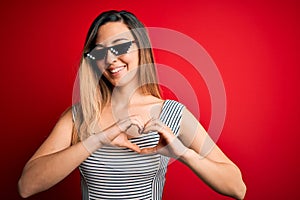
(120, 173)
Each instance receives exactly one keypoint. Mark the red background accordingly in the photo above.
(255, 45)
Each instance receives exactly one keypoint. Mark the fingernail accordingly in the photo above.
(141, 129)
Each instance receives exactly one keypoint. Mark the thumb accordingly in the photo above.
(132, 146)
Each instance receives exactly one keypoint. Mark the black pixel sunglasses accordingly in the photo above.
(117, 50)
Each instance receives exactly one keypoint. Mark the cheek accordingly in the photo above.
(132, 59)
(100, 65)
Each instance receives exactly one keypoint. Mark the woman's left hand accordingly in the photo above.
(168, 144)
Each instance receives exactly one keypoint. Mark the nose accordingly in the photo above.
(110, 57)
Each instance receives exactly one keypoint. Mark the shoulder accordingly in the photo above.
(171, 114)
(68, 112)
(174, 103)
(67, 115)
(60, 136)
(173, 107)
(180, 115)
(64, 124)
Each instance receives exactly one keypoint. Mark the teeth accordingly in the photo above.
(116, 69)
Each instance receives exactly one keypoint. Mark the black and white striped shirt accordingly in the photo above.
(120, 173)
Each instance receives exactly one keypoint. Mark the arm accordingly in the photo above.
(56, 158)
(197, 150)
(206, 159)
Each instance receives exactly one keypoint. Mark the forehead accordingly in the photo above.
(112, 31)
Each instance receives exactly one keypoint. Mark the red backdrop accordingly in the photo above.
(253, 43)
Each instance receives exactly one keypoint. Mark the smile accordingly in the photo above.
(117, 69)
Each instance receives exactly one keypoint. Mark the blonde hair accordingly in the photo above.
(96, 90)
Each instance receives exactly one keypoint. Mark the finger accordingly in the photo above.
(149, 121)
(135, 119)
(154, 126)
(132, 146)
(108, 134)
(124, 124)
(149, 150)
(139, 119)
(154, 121)
(133, 131)
(138, 124)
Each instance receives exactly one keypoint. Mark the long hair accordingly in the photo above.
(95, 89)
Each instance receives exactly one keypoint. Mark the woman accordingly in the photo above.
(121, 134)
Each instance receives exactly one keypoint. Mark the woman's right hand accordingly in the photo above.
(115, 135)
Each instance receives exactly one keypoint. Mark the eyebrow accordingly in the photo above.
(114, 41)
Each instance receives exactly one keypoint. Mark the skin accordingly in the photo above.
(124, 117)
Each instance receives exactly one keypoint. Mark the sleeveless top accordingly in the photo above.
(120, 173)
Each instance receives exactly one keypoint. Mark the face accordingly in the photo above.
(116, 53)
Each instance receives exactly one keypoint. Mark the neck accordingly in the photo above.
(127, 94)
